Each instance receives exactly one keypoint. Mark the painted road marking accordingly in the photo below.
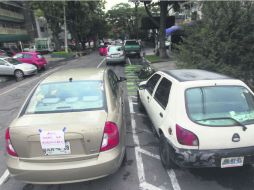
(143, 184)
(4, 177)
(14, 88)
(101, 62)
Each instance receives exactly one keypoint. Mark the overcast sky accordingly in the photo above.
(111, 3)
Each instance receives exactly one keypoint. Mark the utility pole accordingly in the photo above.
(65, 32)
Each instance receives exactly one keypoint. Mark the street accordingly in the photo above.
(142, 169)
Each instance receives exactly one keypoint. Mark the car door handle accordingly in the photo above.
(161, 114)
(147, 97)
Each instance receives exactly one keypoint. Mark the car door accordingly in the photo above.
(146, 94)
(5, 68)
(159, 102)
(27, 58)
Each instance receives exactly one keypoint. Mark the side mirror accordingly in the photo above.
(122, 79)
(142, 86)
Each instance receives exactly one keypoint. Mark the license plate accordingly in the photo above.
(58, 151)
(115, 55)
(232, 162)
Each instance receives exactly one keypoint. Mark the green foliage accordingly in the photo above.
(153, 58)
(62, 54)
(223, 41)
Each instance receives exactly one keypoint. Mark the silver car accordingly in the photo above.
(10, 66)
(115, 55)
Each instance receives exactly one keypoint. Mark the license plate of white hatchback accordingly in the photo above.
(232, 162)
(58, 151)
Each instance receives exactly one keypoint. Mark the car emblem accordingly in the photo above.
(236, 138)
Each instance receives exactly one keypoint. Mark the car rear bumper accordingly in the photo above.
(115, 59)
(210, 158)
(66, 172)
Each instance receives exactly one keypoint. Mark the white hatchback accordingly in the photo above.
(203, 119)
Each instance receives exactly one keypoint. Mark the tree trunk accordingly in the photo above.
(162, 32)
(56, 41)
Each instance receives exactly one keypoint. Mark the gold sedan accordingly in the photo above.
(70, 129)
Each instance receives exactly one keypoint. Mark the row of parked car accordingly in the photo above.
(22, 64)
(117, 53)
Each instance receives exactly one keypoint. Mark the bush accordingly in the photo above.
(62, 54)
(223, 41)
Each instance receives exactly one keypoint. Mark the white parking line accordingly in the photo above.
(101, 62)
(4, 177)
(140, 166)
(14, 88)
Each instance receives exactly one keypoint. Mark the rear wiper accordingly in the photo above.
(221, 118)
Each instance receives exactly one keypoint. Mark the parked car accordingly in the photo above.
(132, 47)
(103, 50)
(203, 119)
(3, 53)
(13, 67)
(115, 55)
(34, 58)
(70, 129)
(10, 51)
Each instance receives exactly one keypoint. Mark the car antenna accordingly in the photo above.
(70, 79)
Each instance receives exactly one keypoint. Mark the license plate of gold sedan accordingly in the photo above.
(58, 151)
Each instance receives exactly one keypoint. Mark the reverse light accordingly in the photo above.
(110, 136)
(186, 137)
(9, 148)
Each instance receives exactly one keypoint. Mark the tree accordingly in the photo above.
(223, 41)
(165, 7)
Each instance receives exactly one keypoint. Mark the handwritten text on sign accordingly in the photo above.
(52, 139)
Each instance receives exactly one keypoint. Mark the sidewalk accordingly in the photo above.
(165, 65)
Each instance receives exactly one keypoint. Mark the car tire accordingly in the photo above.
(140, 105)
(19, 75)
(165, 151)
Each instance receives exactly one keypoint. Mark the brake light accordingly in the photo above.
(110, 136)
(9, 148)
(186, 137)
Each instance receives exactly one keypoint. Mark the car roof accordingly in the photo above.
(76, 74)
(183, 75)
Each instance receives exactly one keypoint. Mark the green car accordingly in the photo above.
(132, 47)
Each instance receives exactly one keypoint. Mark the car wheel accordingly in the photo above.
(140, 105)
(165, 151)
(19, 75)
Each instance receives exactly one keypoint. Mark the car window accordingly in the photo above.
(162, 92)
(220, 106)
(113, 81)
(27, 56)
(131, 43)
(12, 61)
(2, 62)
(151, 83)
(67, 97)
(18, 55)
(39, 56)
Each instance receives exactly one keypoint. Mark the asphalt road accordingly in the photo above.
(142, 170)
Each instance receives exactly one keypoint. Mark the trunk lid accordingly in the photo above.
(83, 130)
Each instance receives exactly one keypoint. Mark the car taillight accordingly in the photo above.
(186, 137)
(110, 136)
(9, 148)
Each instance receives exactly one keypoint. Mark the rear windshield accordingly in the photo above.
(67, 97)
(220, 105)
(39, 56)
(115, 49)
(131, 43)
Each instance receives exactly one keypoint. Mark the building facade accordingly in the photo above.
(17, 24)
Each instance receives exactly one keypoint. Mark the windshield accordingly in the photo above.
(220, 106)
(12, 61)
(131, 43)
(67, 97)
(39, 56)
(115, 49)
